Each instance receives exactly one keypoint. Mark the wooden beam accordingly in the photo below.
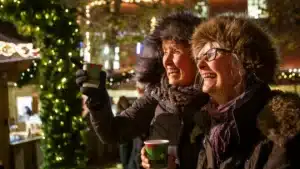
(4, 128)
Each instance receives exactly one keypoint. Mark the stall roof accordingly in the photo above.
(16, 52)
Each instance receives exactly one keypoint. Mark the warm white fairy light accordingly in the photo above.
(116, 63)
(106, 64)
(87, 53)
(153, 23)
(139, 1)
(290, 74)
(106, 50)
(89, 6)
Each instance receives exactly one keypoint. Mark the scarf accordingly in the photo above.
(179, 96)
(224, 134)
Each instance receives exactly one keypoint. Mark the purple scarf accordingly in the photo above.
(224, 134)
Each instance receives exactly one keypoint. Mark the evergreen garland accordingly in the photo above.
(56, 33)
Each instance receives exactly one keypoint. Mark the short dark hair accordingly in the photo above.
(252, 44)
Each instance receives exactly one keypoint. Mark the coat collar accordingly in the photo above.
(244, 116)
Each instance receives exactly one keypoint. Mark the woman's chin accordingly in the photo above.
(207, 88)
(173, 82)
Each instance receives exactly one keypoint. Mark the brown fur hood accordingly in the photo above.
(280, 118)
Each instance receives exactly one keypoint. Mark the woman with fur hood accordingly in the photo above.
(245, 124)
(167, 108)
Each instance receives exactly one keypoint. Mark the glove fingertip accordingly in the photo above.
(80, 80)
(102, 75)
(81, 72)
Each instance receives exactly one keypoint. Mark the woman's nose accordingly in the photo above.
(168, 58)
(201, 64)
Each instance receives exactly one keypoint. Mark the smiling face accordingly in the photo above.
(178, 63)
(221, 75)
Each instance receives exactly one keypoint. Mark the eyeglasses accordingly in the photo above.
(211, 54)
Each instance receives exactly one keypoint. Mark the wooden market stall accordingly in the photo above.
(15, 57)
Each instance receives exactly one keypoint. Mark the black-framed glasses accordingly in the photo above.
(212, 53)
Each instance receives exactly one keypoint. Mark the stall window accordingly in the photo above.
(24, 107)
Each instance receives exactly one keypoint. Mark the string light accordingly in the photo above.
(87, 54)
(29, 74)
(116, 63)
(289, 76)
(140, 1)
(153, 23)
(117, 79)
(88, 7)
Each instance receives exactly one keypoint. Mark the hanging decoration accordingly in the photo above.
(24, 50)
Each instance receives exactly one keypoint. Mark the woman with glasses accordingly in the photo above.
(245, 124)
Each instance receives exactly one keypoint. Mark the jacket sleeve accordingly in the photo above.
(285, 157)
(132, 122)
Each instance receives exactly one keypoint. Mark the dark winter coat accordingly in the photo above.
(162, 113)
(268, 127)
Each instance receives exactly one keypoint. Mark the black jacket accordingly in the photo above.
(269, 128)
(155, 115)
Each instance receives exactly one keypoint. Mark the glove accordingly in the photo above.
(82, 77)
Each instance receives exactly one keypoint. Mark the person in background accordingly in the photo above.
(131, 150)
(125, 148)
(138, 141)
(245, 124)
(171, 98)
(123, 104)
(27, 112)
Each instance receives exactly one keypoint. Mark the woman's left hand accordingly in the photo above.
(145, 160)
(146, 164)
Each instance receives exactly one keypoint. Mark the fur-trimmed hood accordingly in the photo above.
(280, 118)
(178, 26)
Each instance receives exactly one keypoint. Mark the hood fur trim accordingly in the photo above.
(178, 26)
(280, 118)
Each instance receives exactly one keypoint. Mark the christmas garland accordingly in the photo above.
(56, 33)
